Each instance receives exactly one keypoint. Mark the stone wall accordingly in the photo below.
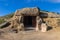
(53, 22)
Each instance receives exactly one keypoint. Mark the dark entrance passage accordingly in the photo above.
(29, 21)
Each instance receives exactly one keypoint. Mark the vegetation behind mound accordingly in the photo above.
(8, 16)
(2, 19)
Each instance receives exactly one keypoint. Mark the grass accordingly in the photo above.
(2, 21)
(8, 16)
(2, 18)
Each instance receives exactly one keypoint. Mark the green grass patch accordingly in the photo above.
(2, 21)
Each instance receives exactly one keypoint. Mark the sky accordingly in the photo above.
(9, 6)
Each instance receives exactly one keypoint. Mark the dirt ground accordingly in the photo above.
(53, 34)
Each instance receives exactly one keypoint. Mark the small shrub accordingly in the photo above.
(8, 16)
(2, 21)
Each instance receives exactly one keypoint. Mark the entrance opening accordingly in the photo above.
(29, 21)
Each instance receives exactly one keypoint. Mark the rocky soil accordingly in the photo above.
(53, 34)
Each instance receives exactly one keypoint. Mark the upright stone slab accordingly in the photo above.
(38, 23)
(37, 28)
(43, 27)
